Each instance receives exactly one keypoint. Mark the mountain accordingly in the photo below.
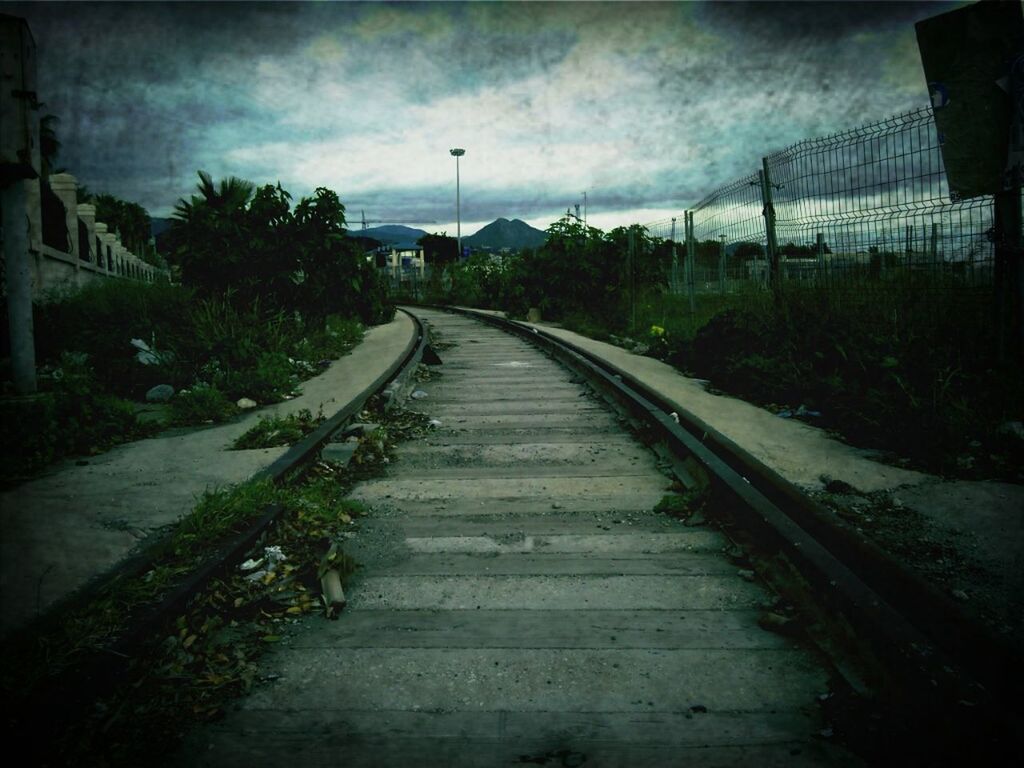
(397, 235)
(502, 233)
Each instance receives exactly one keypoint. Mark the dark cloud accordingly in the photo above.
(782, 24)
(688, 95)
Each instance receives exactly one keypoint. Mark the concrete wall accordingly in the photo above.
(96, 253)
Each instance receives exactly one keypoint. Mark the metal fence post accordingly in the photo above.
(771, 245)
(819, 250)
(1009, 284)
(908, 247)
(674, 275)
(691, 261)
(686, 251)
(721, 265)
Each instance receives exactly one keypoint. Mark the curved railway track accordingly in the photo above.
(521, 603)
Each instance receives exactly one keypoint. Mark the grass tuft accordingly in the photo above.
(274, 431)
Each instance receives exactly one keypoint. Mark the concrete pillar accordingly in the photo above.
(14, 200)
(105, 239)
(65, 187)
(118, 251)
(100, 230)
(87, 213)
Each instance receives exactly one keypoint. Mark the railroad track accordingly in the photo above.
(522, 603)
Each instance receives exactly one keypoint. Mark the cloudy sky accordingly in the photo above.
(646, 107)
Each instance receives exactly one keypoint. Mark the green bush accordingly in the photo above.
(71, 416)
(200, 405)
(267, 381)
(102, 318)
(90, 420)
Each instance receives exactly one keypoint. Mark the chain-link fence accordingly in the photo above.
(858, 213)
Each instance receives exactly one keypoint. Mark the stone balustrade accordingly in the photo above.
(95, 252)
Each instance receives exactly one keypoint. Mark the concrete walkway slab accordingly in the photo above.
(797, 451)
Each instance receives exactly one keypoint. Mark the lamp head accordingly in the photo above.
(457, 152)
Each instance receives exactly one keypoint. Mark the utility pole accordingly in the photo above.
(457, 153)
(20, 164)
(13, 201)
(584, 208)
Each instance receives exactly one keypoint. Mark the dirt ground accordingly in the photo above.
(966, 537)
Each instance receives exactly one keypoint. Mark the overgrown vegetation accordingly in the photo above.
(211, 352)
(209, 654)
(905, 364)
(271, 294)
(245, 245)
(72, 415)
(201, 404)
(886, 373)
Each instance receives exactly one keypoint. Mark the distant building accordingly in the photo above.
(401, 259)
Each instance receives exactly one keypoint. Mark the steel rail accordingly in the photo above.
(923, 638)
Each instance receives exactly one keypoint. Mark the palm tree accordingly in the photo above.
(208, 231)
(231, 194)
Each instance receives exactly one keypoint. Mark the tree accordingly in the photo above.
(249, 247)
(577, 267)
(130, 220)
(746, 251)
(209, 235)
(439, 250)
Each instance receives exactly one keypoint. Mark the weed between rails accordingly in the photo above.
(201, 659)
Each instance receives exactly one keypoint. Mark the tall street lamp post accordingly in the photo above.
(457, 153)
